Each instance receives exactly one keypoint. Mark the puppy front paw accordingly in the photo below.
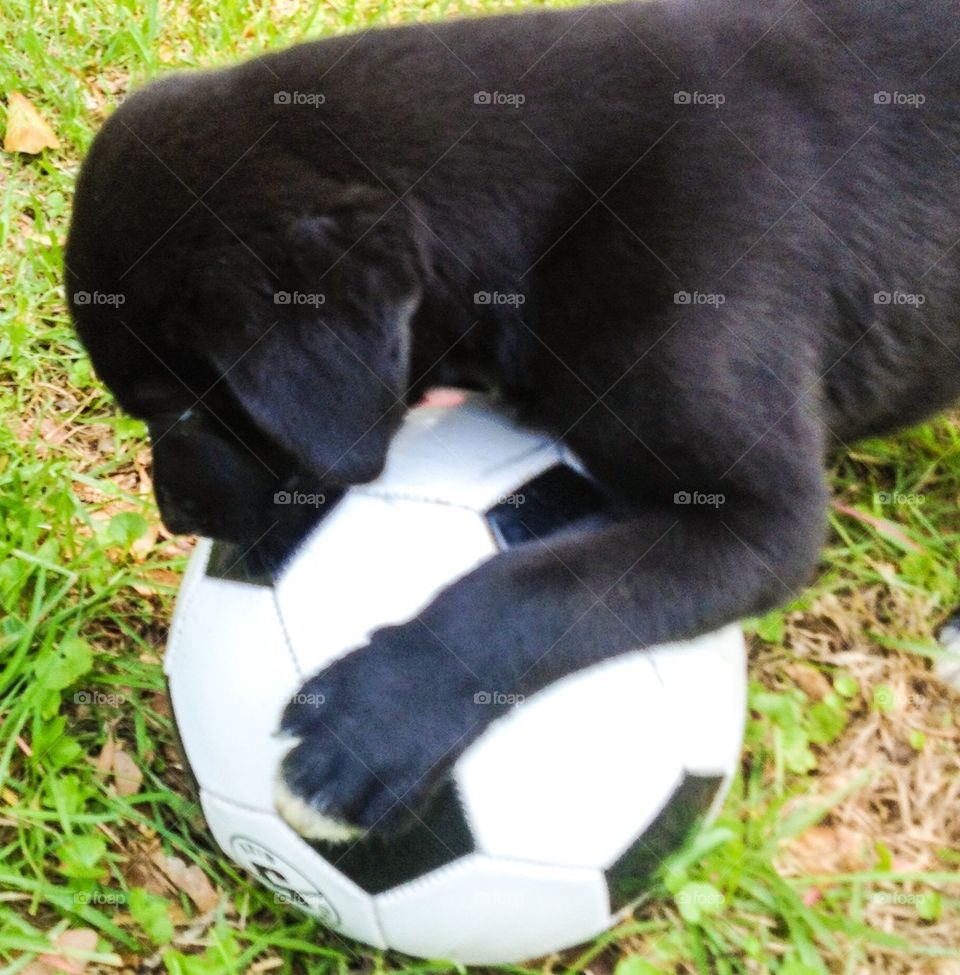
(376, 734)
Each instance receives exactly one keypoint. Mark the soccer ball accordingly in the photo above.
(556, 817)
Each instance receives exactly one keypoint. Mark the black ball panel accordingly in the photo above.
(439, 836)
(631, 874)
(555, 500)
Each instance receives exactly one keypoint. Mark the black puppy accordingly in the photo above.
(734, 228)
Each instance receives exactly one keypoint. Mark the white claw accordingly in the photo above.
(308, 821)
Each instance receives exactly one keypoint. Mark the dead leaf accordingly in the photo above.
(143, 546)
(139, 870)
(883, 526)
(77, 939)
(165, 578)
(26, 129)
(127, 776)
(822, 849)
(104, 761)
(811, 681)
(191, 880)
(113, 760)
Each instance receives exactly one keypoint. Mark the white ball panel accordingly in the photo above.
(266, 847)
(706, 686)
(554, 792)
(374, 561)
(469, 456)
(196, 567)
(484, 911)
(574, 773)
(947, 665)
(230, 674)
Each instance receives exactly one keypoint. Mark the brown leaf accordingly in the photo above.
(127, 776)
(165, 578)
(143, 546)
(139, 870)
(113, 760)
(810, 680)
(823, 849)
(77, 939)
(191, 880)
(26, 129)
(883, 526)
(104, 761)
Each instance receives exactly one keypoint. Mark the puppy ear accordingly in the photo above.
(308, 324)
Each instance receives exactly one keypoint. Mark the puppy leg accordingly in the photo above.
(397, 713)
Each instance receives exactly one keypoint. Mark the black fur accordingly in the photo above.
(787, 211)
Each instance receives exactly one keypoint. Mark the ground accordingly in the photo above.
(838, 850)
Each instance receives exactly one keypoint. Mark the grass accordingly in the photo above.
(836, 851)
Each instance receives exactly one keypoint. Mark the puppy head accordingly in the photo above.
(263, 333)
